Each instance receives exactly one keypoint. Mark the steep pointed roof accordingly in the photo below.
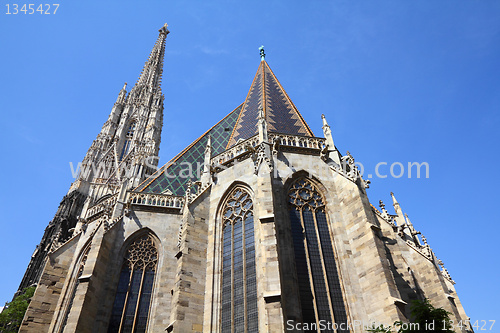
(281, 114)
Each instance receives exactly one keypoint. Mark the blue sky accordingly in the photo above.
(399, 81)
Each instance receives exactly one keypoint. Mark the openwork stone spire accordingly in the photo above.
(153, 68)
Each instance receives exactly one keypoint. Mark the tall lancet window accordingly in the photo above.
(128, 140)
(239, 283)
(319, 284)
(133, 296)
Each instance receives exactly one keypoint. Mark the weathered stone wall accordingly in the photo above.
(95, 294)
(165, 226)
(44, 302)
(364, 273)
(189, 288)
(379, 272)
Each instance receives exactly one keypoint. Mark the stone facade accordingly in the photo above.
(380, 261)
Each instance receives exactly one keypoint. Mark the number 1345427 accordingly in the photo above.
(30, 8)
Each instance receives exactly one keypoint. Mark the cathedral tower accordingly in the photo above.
(124, 152)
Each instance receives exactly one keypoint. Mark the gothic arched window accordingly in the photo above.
(319, 284)
(239, 282)
(128, 140)
(133, 296)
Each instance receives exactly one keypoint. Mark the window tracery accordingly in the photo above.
(239, 282)
(128, 140)
(319, 283)
(133, 297)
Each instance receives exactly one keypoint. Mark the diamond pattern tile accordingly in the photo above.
(174, 175)
(281, 114)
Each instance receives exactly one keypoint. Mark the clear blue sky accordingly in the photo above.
(399, 81)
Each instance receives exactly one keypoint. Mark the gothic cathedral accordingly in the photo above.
(256, 226)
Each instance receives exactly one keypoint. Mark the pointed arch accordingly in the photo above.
(320, 289)
(128, 139)
(238, 284)
(137, 234)
(230, 189)
(131, 307)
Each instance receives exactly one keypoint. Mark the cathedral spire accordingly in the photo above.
(153, 68)
(131, 135)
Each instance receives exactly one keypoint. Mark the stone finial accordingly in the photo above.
(164, 29)
(262, 54)
(329, 143)
(395, 202)
(399, 212)
(327, 132)
(325, 124)
(408, 220)
(122, 97)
